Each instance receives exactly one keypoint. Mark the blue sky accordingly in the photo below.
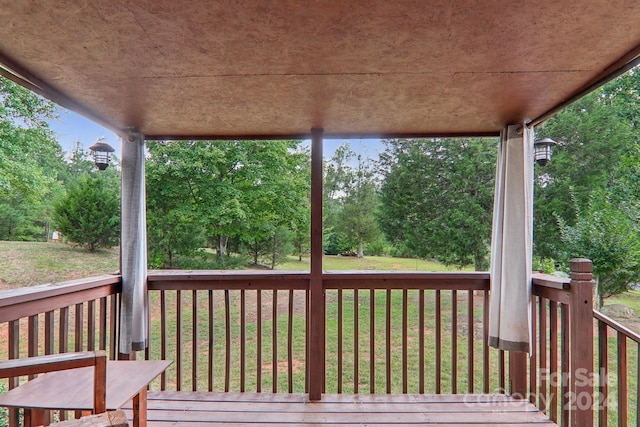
(72, 127)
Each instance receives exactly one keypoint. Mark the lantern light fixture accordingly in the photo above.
(542, 150)
(101, 154)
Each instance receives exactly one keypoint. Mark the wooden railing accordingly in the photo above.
(383, 333)
(560, 368)
(409, 333)
(56, 318)
(618, 373)
(230, 331)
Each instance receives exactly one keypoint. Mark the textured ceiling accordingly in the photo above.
(281, 67)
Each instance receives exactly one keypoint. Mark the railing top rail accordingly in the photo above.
(33, 293)
(195, 275)
(617, 326)
(549, 281)
(436, 275)
(235, 279)
(406, 280)
(18, 303)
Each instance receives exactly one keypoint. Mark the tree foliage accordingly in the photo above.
(89, 213)
(437, 197)
(28, 146)
(351, 201)
(605, 234)
(222, 191)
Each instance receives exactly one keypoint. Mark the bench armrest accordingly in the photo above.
(60, 362)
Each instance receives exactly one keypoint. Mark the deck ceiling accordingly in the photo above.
(229, 68)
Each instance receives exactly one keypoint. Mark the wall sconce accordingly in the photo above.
(542, 150)
(100, 151)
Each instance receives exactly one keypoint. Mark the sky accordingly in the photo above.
(72, 127)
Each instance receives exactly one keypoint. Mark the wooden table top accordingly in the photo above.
(73, 388)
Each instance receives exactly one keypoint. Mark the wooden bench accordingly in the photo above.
(59, 362)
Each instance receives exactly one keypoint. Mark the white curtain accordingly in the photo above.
(512, 241)
(133, 249)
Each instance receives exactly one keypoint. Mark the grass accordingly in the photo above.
(34, 263)
(331, 262)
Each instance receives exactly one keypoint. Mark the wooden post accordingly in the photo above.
(581, 324)
(518, 374)
(316, 305)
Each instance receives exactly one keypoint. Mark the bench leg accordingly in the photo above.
(33, 417)
(140, 409)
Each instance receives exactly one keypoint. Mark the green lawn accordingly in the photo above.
(34, 263)
(331, 262)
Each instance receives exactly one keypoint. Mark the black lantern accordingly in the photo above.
(101, 155)
(542, 150)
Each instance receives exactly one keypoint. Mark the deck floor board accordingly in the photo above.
(196, 409)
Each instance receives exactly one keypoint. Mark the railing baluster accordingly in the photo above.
(438, 302)
(486, 367)
(544, 374)
(49, 326)
(356, 356)
(421, 341)
(454, 341)
(388, 340)
(290, 343)
(79, 325)
(32, 343)
(339, 341)
(603, 371)
(623, 385)
(307, 335)
(178, 340)
(259, 341)
(243, 339)
(637, 385)
(91, 325)
(502, 371)
(163, 337)
(470, 339)
(194, 340)
(227, 327)
(14, 353)
(372, 341)
(553, 360)
(210, 358)
(564, 351)
(102, 336)
(113, 325)
(63, 330)
(274, 341)
(533, 358)
(405, 350)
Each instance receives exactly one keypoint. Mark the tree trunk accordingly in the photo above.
(221, 245)
(274, 252)
(360, 249)
(599, 300)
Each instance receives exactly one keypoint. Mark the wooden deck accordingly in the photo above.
(251, 409)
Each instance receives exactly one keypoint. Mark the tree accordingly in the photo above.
(607, 236)
(593, 142)
(351, 200)
(30, 161)
(225, 191)
(27, 142)
(89, 214)
(437, 197)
